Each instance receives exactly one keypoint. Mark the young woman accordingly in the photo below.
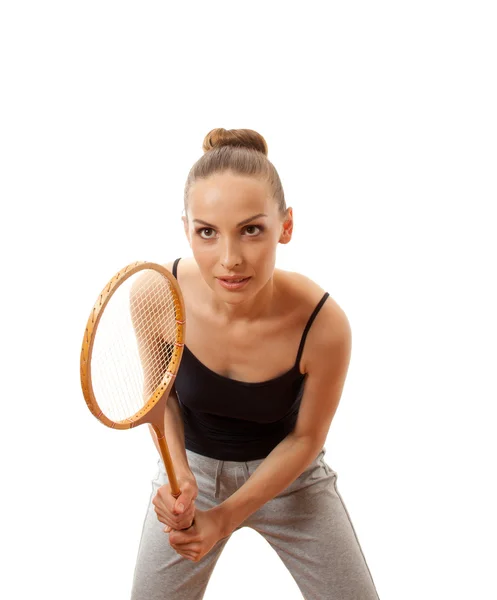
(262, 372)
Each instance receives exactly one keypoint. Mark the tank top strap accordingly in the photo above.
(175, 267)
(308, 326)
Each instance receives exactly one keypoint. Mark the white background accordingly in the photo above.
(380, 118)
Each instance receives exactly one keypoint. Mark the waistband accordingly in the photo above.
(230, 465)
(216, 467)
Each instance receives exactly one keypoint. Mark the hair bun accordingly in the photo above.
(244, 138)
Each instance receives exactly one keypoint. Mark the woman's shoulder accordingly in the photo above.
(329, 324)
(307, 294)
(303, 290)
(186, 267)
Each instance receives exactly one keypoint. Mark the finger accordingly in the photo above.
(165, 519)
(183, 505)
(173, 524)
(191, 552)
(184, 527)
(184, 538)
(185, 524)
(172, 510)
(182, 521)
(162, 495)
(161, 508)
(175, 521)
(188, 523)
(190, 556)
(185, 499)
(192, 548)
(177, 524)
(160, 512)
(168, 522)
(165, 499)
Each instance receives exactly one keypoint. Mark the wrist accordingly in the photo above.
(186, 478)
(224, 517)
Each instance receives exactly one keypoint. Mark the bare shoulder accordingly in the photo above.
(330, 327)
(185, 268)
(308, 293)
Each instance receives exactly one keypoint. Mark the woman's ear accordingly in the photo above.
(287, 228)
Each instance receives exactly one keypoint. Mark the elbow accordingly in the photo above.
(313, 443)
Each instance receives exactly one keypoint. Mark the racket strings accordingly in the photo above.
(134, 344)
(154, 319)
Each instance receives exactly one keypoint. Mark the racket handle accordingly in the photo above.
(168, 463)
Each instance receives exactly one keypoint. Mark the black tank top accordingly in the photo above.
(235, 420)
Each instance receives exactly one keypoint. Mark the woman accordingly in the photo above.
(262, 373)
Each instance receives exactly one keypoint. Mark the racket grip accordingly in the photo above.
(166, 458)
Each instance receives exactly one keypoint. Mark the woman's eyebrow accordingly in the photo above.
(238, 224)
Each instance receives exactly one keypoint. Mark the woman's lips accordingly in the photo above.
(231, 285)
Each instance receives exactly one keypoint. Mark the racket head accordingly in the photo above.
(132, 346)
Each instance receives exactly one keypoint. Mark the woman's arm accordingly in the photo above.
(174, 432)
(328, 352)
(279, 469)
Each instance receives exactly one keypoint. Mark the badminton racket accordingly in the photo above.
(131, 351)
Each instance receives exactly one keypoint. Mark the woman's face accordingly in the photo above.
(229, 235)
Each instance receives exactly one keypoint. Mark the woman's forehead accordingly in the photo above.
(221, 192)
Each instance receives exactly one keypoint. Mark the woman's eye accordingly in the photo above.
(199, 231)
(258, 227)
(249, 229)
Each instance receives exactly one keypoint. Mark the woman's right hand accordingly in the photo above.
(168, 508)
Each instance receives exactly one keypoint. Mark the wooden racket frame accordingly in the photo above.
(153, 410)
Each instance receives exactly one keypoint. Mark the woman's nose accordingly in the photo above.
(230, 256)
(230, 263)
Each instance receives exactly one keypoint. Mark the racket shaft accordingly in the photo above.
(166, 457)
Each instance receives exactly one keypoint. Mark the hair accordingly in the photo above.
(241, 151)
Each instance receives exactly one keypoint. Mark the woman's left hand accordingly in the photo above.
(196, 541)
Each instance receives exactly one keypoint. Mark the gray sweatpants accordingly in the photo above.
(307, 524)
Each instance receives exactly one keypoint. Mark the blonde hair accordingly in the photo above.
(241, 151)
